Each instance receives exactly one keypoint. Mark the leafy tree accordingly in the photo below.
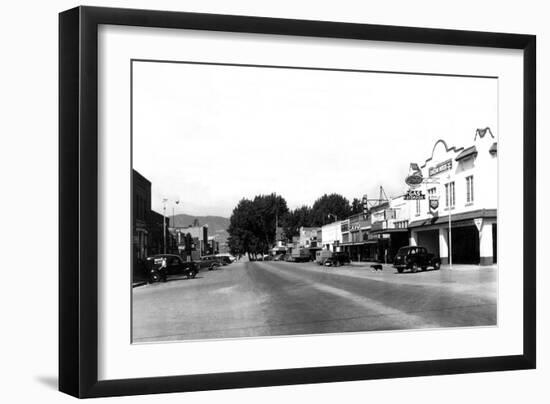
(252, 223)
(356, 206)
(295, 219)
(333, 204)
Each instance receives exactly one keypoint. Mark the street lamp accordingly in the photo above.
(333, 215)
(173, 216)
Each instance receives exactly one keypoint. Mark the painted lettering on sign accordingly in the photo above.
(441, 167)
(414, 195)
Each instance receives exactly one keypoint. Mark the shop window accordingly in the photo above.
(470, 189)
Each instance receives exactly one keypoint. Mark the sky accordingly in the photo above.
(209, 136)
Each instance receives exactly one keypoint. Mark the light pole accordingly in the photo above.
(333, 215)
(173, 216)
(164, 200)
(450, 229)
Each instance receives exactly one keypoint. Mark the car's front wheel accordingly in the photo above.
(154, 277)
(437, 265)
(414, 267)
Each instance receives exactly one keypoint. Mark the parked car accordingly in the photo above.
(279, 257)
(337, 259)
(175, 265)
(211, 262)
(414, 258)
(226, 258)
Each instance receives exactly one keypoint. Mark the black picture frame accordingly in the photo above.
(78, 201)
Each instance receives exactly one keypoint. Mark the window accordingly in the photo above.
(417, 207)
(431, 192)
(470, 189)
(450, 195)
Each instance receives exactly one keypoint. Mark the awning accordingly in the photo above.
(384, 231)
(480, 213)
(357, 243)
(469, 152)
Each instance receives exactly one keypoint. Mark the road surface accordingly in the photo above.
(250, 299)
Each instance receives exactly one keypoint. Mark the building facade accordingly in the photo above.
(199, 237)
(141, 208)
(461, 189)
(331, 236)
(355, 241)
(389, 229)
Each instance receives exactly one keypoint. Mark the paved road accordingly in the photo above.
(248, 299)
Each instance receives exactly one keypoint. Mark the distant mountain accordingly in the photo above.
(217, 225)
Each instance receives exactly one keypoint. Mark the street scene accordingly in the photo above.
(261, 298)
(279, 202)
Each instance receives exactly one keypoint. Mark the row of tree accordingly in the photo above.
(253, 223)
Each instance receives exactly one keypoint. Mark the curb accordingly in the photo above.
(136, 284)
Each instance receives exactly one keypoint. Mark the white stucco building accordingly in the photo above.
(463, 181)
(331, 236)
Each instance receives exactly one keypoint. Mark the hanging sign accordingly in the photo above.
(434, 203)
(413, 195)
(478, 222)
(414, 179)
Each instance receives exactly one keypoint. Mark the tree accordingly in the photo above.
(295, 219)
(356, 206)
(252, 223)
(334, 204)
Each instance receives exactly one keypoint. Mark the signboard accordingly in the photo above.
(434, 203)
(441, 167)
(478, 222)
(414, 179)
(412, 195)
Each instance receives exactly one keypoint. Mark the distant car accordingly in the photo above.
(414, 258)
(175, 265)
(279, 257)
(226, 258)
(211, 262)
(337, 259)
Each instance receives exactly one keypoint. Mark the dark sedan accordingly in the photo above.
(161, 265)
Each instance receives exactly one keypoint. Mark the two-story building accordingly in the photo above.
(356, 241)
(331, 236)
(460, 185)
(389, 229)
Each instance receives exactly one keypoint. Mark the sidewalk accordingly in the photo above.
(456, 267)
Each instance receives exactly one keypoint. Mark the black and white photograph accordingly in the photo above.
(272, 201)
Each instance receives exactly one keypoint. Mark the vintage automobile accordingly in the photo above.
(226, 259)
(211, 262)
(175, 265)
(414, 258)
(337, 259)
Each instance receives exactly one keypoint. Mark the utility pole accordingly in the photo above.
(164, 200)
(450, 229)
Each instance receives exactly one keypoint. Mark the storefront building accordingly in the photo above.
(331, 236)
(355, 239)
(460, 188)
(389, 229)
